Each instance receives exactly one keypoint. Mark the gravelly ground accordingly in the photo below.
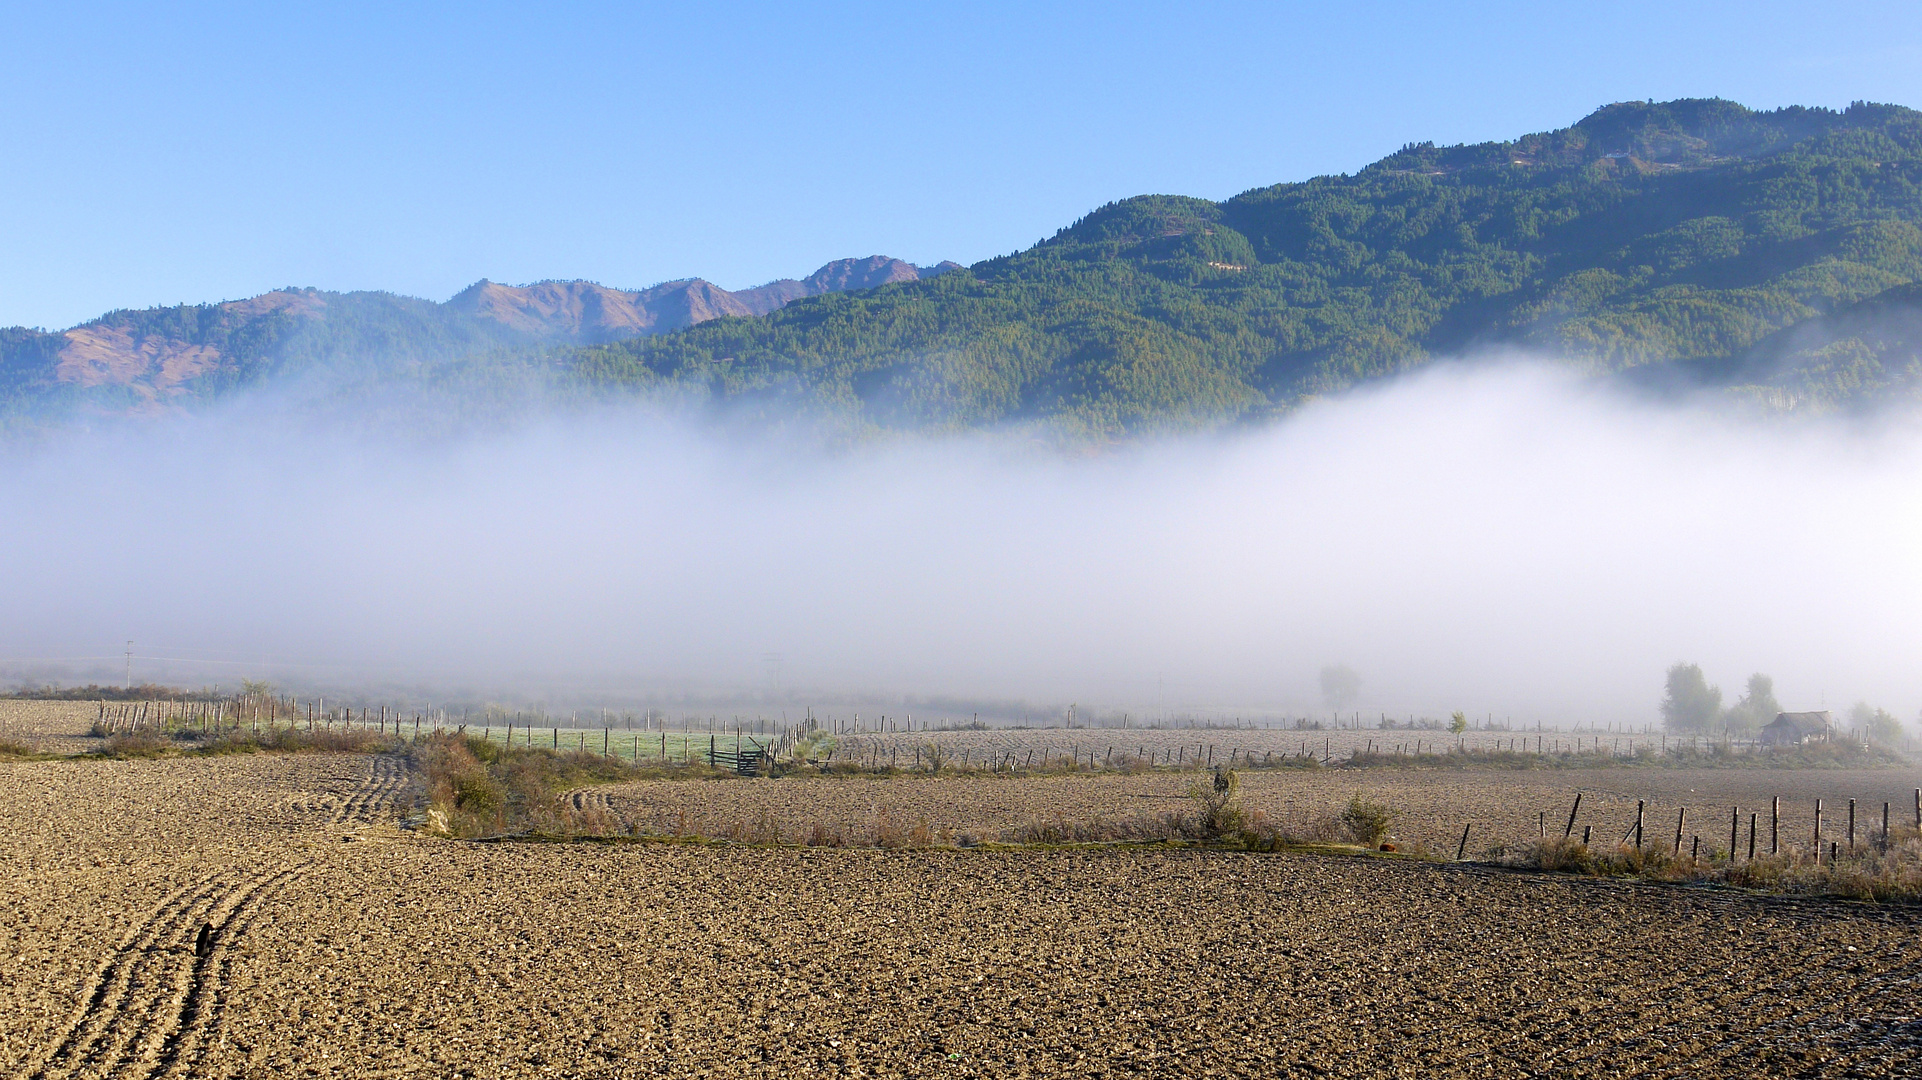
(395, 955)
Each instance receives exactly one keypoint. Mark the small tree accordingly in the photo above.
(1691, 705)
(1458, 721)
(1757, 707)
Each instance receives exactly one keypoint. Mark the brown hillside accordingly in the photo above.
(159, 354)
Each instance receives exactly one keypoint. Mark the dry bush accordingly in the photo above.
(136, 744)
(15, 751)
(482, 787)
(934, 755)
(1368, 821)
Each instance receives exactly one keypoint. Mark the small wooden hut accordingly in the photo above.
(1796, 728)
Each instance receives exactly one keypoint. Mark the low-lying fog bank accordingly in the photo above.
(1503, 539)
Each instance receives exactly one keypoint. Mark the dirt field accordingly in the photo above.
(53, 727)
(1497, 805)
(341, 945)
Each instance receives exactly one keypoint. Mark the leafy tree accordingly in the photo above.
(1691, 705)
(1756, 708)
(1340, 685)
(1458, 721)
(1875, 725)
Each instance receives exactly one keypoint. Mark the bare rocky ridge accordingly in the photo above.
(584, 312)
(156, 355)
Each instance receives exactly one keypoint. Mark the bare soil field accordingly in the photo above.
(1499, 806)
(340, 945)
(51, 727)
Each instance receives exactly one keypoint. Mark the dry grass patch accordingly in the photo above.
(1882, 871)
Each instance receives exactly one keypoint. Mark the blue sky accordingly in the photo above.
(206, 152)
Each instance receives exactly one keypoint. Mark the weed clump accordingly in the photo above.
(15, 751)
(129, 745)
(1367, 821)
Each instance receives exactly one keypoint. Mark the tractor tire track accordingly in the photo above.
(138, 999)
(385, 782)
(116, 980)
(204, 1004)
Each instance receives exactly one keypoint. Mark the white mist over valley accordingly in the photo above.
(1504, 539)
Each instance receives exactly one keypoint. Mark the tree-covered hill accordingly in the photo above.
(1681, 235)
(1861, 355)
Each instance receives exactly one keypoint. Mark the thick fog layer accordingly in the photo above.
(1498, 540)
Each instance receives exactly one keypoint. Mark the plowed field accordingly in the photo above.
(337, 944)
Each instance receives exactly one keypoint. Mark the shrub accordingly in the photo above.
(1367, 821)
(137, 744)
(481, 787)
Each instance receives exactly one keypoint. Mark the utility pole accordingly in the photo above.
(130, 665)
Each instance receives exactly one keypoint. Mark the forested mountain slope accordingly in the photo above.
(1682, 235)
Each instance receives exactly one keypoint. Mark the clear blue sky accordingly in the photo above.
(203, 152)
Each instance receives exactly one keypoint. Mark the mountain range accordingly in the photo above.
(1767, 256)
(131, 359)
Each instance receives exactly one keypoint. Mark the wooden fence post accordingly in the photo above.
(1680, 817)
(1571, 817)
(1775, 825)
(1463, 846)
(1734, 824)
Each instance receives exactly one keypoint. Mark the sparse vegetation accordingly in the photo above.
(1888, 871)
(96, 692)
(476, 787)
(1836, 754)
(15, 751)
(150, 743)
